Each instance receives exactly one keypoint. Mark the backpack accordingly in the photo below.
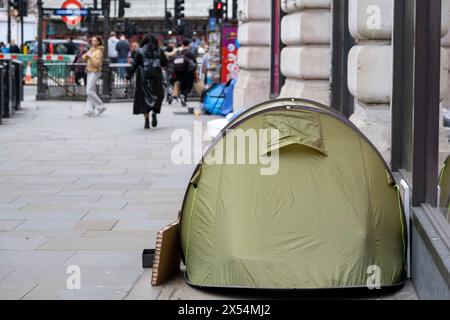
(190, 65)
(179, 62)
(151, 64)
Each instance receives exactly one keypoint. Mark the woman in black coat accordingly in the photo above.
(148, 63)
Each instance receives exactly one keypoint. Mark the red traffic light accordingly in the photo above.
(219, 8)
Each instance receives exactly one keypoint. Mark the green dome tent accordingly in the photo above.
(328, 217)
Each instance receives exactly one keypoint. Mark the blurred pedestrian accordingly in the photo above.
(134, 50)
(61, 49)
(112, 51)
(71, 49)
(94, 59)
(203, 57)
(196, 42)
(35, 47)
(185, 66)
(79, 68)
(148, 64)
(13, 47)
(5, 49)
(169, 73)
(122, 48)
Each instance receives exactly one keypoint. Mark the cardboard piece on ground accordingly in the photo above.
(167, 255)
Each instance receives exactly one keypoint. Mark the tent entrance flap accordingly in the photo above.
(300, 129)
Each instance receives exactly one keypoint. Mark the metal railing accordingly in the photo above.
(61, 81)
(3, 82)
(121, 89)
(67, 81)
(11, 87)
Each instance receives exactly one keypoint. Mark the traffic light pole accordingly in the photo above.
(226, 12)
(166, 23)
(94, 21)
(40, 62)
(106, 74)
(235, 5)
(21, 30)
(178, 16)
(9, 22)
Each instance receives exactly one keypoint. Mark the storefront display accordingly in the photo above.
(229, 50)
(214, 60)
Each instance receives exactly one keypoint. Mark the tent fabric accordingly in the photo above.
(328, 218)
(444, 184)
(301, 129)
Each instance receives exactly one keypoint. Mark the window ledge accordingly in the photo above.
(434, 230)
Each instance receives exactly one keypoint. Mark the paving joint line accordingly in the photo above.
(21, 298)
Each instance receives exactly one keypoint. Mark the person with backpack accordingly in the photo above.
(148, 64)
(185, 67)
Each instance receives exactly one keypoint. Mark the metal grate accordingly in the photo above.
(121, 88)
(66, 81)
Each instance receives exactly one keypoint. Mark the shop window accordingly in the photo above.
(420, 105)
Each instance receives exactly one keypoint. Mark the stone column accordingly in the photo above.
(253, 84)
(370, 68)
(306, 59)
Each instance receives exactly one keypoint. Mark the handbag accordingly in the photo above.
(199, 86)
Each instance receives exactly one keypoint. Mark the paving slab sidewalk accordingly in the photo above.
(91, 193)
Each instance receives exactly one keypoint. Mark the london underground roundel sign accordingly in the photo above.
(72, 20)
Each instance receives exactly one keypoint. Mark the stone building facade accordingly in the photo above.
(306, 59)
(253, 85)
(306, 64)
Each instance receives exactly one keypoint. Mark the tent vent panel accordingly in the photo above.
(301, 129)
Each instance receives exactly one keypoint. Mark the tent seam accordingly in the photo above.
(217, 201)
(189, 227)
(365, 178)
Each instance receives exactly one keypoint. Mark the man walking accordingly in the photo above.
(112, 52)
(14, 48)
(185, 66)
(122, 48)
(71, 48)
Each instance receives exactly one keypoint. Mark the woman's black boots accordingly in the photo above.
(154, 120)
(147, 124)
